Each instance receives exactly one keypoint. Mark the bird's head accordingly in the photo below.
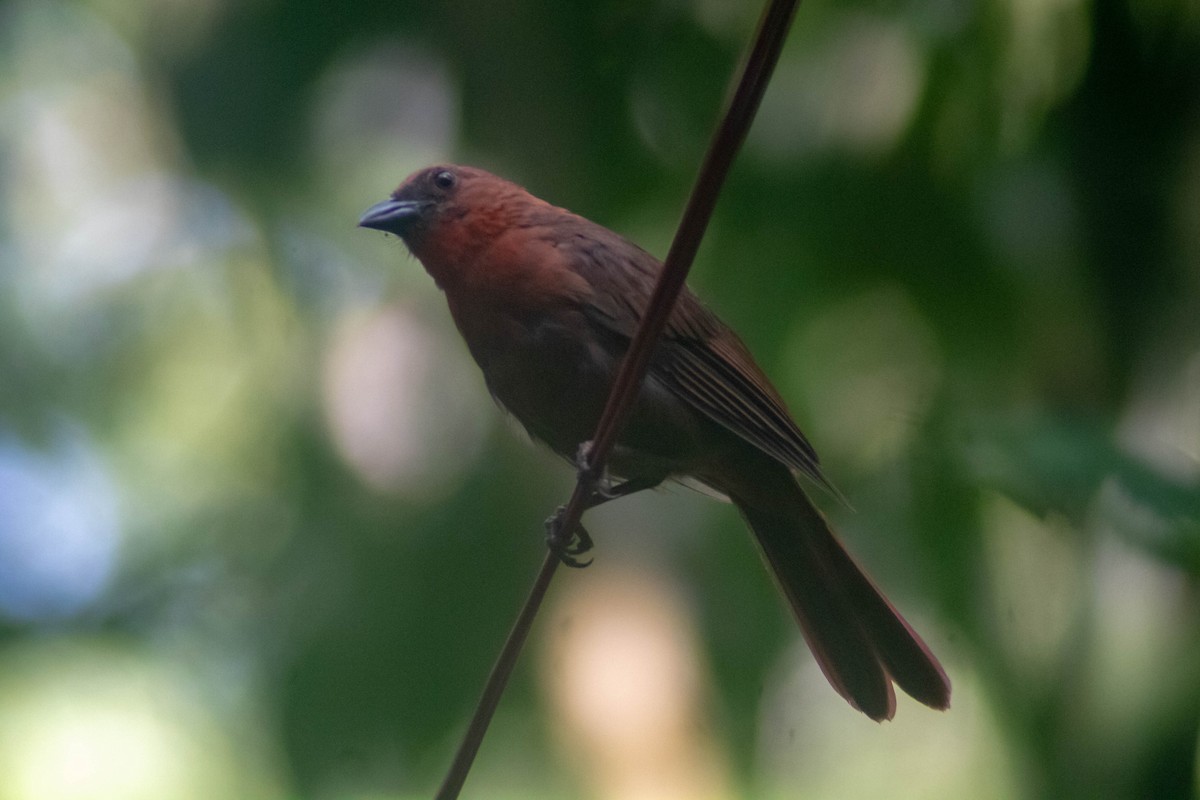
(442, 199)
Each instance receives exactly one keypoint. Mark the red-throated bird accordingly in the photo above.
(548, 302)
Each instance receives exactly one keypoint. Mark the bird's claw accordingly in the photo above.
(567, 546)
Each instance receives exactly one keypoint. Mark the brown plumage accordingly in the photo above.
(547, 302)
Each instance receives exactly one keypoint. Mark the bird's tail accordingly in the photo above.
(860, 641)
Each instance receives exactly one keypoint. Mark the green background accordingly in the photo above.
(262, 531)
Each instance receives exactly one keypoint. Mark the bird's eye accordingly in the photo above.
(444, 179)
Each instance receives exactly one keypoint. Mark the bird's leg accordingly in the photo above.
(602, 495)
(598, 482)
(580, 540)
(586, 472)
(577, 542)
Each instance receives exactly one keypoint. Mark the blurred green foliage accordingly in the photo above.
(261, 532)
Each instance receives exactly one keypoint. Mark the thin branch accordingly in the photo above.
(756, 73)
(497, 680)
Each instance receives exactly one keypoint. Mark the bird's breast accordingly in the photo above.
(547, 373)
(554, 371)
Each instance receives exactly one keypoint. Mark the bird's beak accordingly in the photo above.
(393, 216)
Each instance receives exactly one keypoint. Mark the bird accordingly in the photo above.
(548, 301)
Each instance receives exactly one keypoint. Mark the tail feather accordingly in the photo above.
(904, 654)
(858, 638)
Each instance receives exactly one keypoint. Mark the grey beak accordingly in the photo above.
(393, 216)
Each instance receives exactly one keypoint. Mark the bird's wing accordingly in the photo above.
(699, 359)
(719, 378)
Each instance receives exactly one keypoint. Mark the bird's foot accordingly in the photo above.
(567, 545)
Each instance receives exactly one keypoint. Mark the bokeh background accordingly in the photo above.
(262, 530)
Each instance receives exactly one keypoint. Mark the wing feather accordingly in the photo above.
(700, 359)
